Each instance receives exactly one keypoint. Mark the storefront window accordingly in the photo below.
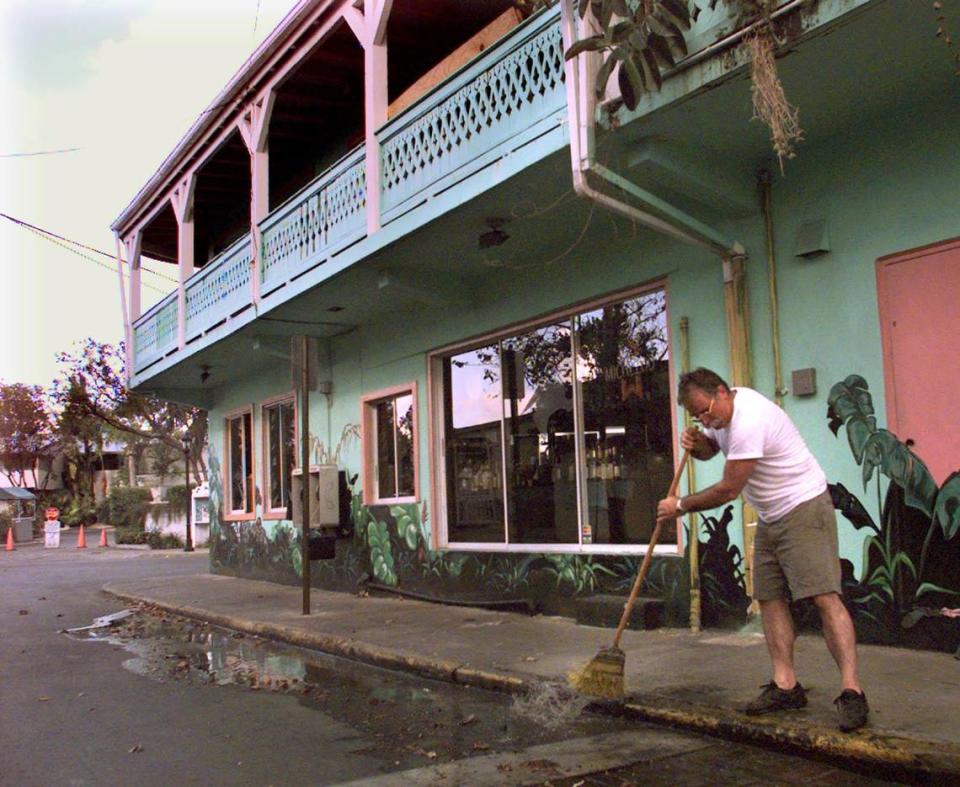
(622, 370)
(561, 434)
(240, 463)
(538, 419)
(473, 415)
(280, 451)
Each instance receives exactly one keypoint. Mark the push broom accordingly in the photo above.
(603, 676)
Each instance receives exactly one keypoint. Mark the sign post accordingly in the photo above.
(51, 528)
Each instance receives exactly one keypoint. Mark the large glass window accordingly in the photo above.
(473, 413)
(389, 438)
(279, 446)
(561, 434)
(240, 464)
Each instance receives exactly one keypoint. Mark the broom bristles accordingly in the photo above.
(602, 677)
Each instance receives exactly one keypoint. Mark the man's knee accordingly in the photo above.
(827, 601)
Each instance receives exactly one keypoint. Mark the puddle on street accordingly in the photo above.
(405, 720)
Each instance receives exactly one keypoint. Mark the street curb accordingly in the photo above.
(898, 757)
(911, 759)
(387, 658)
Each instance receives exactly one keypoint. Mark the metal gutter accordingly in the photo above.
(654, 213)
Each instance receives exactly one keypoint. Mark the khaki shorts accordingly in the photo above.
(797, 556)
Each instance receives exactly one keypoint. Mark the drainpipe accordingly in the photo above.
(668, 219)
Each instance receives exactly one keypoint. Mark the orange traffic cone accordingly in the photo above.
(81, 539)
(103, 536)
(10, 546)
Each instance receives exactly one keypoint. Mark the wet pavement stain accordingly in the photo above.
(408, 721)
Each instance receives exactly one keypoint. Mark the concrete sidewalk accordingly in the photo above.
(694, 681)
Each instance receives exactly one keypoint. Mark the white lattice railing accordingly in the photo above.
(219, 290)
(328, 214)
(155, 333)
(514, 84)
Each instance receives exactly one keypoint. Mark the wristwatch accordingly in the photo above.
(680, 504)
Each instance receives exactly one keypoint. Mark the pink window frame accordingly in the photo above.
(368, 443)
(291, 397)
(231, 515)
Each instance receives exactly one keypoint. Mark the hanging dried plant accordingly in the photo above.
(944, 34)
(770, 105)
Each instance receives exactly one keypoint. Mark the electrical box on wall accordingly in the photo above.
(804, 382)
(324, 496)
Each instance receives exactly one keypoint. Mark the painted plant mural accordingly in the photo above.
(909, 589)
(908, 592)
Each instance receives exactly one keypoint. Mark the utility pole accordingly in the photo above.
(304, 359)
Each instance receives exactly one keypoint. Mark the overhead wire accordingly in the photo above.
(39, 153)
(95, 261)
(51, 235)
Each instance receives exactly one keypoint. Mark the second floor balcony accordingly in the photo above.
(323, 168)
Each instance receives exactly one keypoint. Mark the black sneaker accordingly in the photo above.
(773, 699)
(852, 709)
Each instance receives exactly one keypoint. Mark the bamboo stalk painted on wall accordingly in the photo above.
(693, 530)
(737, 309)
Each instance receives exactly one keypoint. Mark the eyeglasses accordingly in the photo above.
(707, 411)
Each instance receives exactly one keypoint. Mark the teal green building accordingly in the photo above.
(499, 270)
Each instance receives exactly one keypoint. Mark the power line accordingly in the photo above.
(72, 250)
(39, 153)
(43, 232)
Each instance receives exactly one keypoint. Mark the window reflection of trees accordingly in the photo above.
(621, 364)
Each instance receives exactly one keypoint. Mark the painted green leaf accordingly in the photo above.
(947, 509)
(872, 596)
(904, 560)
(850, 404)
(929, 587)
(882, 450)
(295, 560)
(851, 508)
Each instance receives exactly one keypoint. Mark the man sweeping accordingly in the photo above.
(795, 551)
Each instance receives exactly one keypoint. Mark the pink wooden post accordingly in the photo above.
(371, 30)
(254, 126)
(182, 201)
(132, 245)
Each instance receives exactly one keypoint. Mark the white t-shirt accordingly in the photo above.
(786, 473)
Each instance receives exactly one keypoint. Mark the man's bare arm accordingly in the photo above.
(736, 472)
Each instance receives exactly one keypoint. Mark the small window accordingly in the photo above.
(239, 464)
(279, 446)
(389, 446)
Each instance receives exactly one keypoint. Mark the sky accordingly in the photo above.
(115, 84)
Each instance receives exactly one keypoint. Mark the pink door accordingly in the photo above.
(919, 293)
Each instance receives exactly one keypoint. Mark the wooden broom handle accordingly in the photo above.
(647, 558)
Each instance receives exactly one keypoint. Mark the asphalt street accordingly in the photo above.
(167, 701)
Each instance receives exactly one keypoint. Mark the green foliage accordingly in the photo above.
(850, 404)
(407, 527)
(6, 521)
(947, 509)
(581, 572)
(179, 499)
(80, 511)
(127, 507)
(647, 39)
(381, 554)
(133, 535)
(896, 568)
